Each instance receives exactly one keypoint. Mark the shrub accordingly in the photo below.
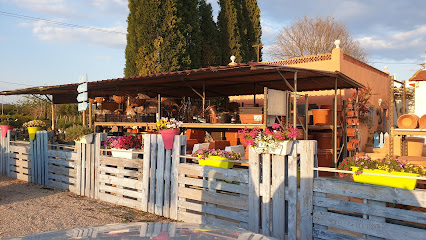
(74, 133)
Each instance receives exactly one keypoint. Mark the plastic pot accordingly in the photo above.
(4, 129)
(168, 137)
(322, 116)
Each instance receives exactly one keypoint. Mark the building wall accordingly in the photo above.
(420, 99)
(377, 80)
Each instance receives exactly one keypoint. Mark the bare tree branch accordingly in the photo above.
(312, 36)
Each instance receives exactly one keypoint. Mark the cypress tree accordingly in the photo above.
(230, 39)
(189, 26)
(132, 44)
(239, 26)
(253, 31)
(209, 36)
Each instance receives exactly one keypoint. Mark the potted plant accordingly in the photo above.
(34, 126)
(277, 140)
(387, 165)
(124, 146)
(79, 133)
(168, 128)
(214, 158)
(5, 126)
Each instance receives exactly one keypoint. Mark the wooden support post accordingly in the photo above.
(204, 97)
(90, 115)
(295, 100)
(84, 118)
(158, 107)
(53, 115)
(306, 116)
(265, 108)
(335, 124)
(404, 101)
(391, 109)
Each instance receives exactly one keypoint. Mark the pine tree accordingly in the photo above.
(209, 36)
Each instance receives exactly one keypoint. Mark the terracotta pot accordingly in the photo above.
(352, 121)
(408, 121)
(352, 114)
(325, 159)
(168, 137)
(322, 116)
(4, 129)
(350, 100)
(325, 140)
(99, 99)
(351, 146)
(422, 121)
(355, 140)
(351, 132)
(91, 101)
(246, 155)
(350, 105)
(119, 99)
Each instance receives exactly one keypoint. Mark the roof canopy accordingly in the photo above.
(241, 79)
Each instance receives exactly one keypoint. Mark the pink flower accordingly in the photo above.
(276, 126)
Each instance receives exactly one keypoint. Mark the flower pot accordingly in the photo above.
(261, 147)
(325, 140)
(4, 129)
(119, 99)
(352, 114)
(408, 121)
(422, 122)
(351, 132)
(322, 116)
(99, 99)
(352, 121)
(123, 153)
(32, 132)
(405, 183)
(168, 137)
(283, 148)
(86, 138)
(216, 162)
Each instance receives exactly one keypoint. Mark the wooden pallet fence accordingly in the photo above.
(4, 154)
(62, 169)
(86, 169)
(39, 156)
(274, 196)
(212, 195)
(159, 184)
(20, 161)
(373, 215)
(120, 181)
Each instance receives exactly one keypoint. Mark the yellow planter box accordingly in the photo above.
(396, 182)
(216, 163)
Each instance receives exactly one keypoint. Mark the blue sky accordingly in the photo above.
(37, 53)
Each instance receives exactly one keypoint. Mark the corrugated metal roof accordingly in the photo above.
(240, 79)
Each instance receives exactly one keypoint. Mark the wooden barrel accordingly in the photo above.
(408, 121)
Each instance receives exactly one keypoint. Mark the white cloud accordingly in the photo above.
(401, 40)
(48, 32)
(57, 7)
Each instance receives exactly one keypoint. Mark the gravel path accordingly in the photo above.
(27, 208)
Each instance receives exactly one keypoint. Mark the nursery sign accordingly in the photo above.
(82, 96)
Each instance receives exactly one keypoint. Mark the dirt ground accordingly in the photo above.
(27, 208)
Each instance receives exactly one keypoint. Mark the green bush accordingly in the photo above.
(74, 133)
